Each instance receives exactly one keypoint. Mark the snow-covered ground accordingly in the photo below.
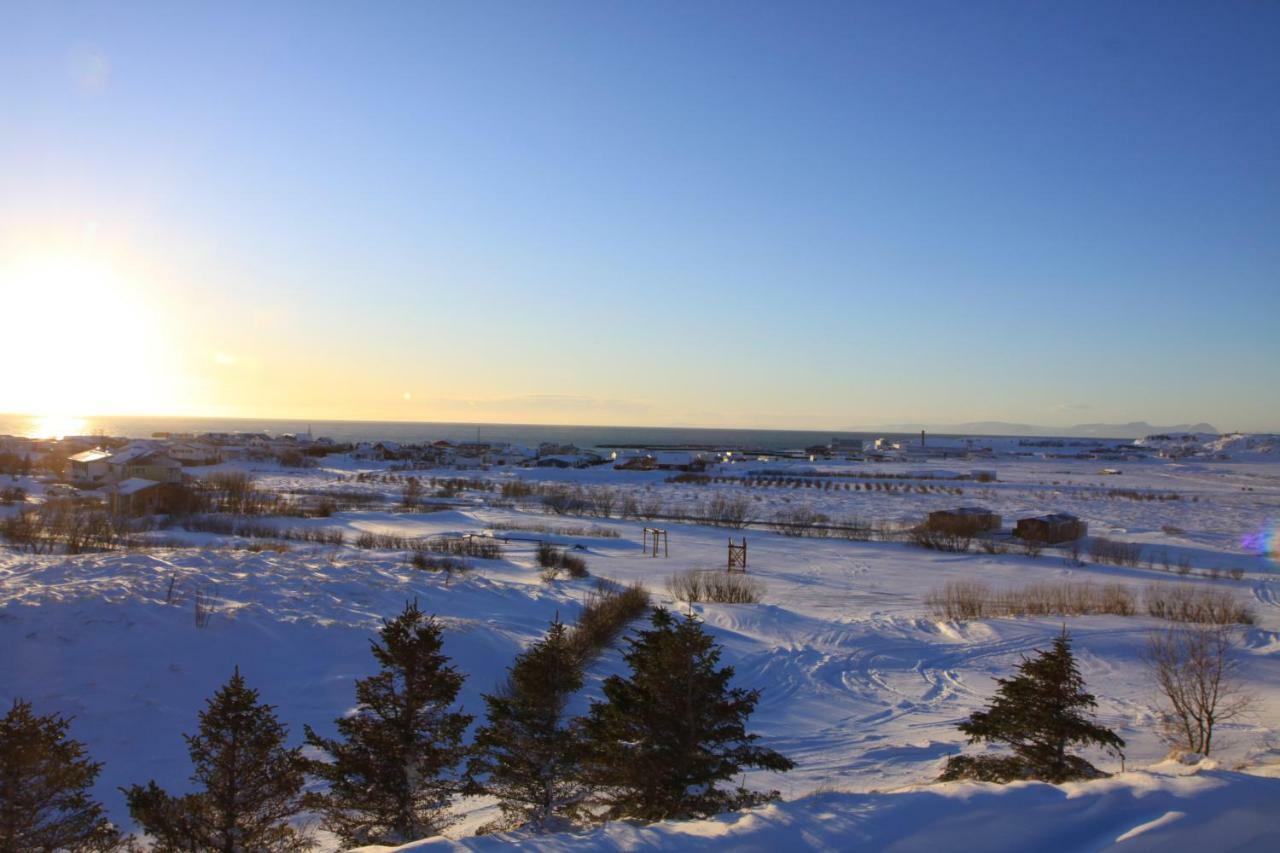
(861, 687)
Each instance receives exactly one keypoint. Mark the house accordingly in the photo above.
(550, 448)
(120, 459)
(194, 453)
(139, 496)
(89, 467)
(964, 520)
(1051, 529)
(380, 450)
(559, 461)
(154, 466)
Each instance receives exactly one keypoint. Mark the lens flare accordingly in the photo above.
(1265, 543)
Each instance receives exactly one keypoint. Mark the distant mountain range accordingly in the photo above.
(1133, 429)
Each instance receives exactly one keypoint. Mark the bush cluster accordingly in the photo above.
(969, 599)
(555, 560)
(718, 587)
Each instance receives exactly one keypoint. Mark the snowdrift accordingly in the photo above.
(1162, 809)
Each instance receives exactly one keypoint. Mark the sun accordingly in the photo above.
(81, 339)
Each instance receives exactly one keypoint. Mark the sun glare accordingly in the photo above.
(56, 426)
(85, 340)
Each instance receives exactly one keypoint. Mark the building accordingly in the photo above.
(964, 520)
(154, 466)
(1051, 529)
(118, 464)
(662, 460)
(138, 496)
(194, 453)
(89, 467)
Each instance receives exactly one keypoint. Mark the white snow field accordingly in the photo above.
(861, 686)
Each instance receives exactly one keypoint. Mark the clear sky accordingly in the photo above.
(788, 214)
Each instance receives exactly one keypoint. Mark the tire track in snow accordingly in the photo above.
(1266, 593)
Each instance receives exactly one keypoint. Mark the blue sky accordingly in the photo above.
(787, 214)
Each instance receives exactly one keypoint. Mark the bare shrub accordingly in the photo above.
(1199, 682)
(799, 521)
(651, 507)
(295, 459)
(924, 536)
(724, 510)
(857, 530)
(434, 563)
(714, 586)
(574, 565)
(234, 492)
(592, 530)
(961, 600)
(75, 526)
(555, 560)
(273, 547)
(603, 501)
(412, 493)
(480, 547)
(203, 609)
(1116, 553)
(517, 489)
(1186, 603)
(548, 555)
(383, 541)
(563, 500)
(606, 612)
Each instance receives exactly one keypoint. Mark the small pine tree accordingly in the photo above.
(390, 772)
(250, 783)
(1039, 714)
(44, 787)
(665, 737)
(526, 754)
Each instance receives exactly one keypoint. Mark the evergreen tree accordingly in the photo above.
(526, 754)
(390, 771)
(1039, 714)
(44, 788)
(665, 737)
(250, 784)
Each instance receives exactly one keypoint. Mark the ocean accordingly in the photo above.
(354, 431)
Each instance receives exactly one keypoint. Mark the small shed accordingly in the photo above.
(964, 520)
(1051, 529)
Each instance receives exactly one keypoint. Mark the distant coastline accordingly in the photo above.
(410, 432)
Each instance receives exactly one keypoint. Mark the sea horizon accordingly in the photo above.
(354, 431)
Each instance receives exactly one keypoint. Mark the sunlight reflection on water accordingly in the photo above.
(55, 426)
